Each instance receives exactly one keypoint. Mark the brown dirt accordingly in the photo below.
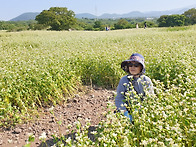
(90, 105)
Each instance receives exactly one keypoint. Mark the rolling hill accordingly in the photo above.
(25, 16)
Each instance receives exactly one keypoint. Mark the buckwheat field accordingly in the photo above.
(43, 68)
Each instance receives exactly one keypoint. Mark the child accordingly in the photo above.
(134, 81)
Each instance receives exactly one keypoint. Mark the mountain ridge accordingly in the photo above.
(133, 14)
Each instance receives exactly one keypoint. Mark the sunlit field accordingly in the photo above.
(44, 68)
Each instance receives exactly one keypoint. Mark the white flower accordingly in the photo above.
(171, 142)
(113, 142)
(161, 143)
(160, 127)
(123, 105)
(144, 142)
(186, 109)
(150, 140)
(99, 139)
(124, 84)
(139, 80)
(30, 134)
(94, 132)
(168, 139)
(43, 136)
(114, 134)
(169, 107)
(129, 77)
(10, 141)
(127, 93)
(164, 115)
(51, 109)
(168, 128)
(68, 140)
(69, 126)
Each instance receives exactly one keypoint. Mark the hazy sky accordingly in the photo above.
(13, 8)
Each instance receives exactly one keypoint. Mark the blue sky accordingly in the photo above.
(13, 8)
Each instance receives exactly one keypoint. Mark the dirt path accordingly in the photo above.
(90, 105)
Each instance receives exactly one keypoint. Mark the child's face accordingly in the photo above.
(134, 68)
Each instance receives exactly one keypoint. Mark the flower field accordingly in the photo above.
(43, 68)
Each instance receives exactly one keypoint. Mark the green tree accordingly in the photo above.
(190, 16)
(151, 24)
(176, 20)
(57, 18)
(3, 25)
(171, 20)
(98, 26)
(162, 21)
(14, 25)
(121, 24)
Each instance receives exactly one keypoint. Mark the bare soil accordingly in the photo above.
(90, 105)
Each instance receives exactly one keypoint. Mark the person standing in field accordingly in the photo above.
(135, 83)
(137, 26)
(145, 25)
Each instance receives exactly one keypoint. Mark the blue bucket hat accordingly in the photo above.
(134, 57)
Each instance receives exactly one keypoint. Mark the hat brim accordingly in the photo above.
(126, 68)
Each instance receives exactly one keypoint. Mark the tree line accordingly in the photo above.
(60, 18)
(187, 18)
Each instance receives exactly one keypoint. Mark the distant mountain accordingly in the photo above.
(85, 15)
(133, 14)
(137, 14)
(26, 16)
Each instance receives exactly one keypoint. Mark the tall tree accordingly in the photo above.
(57, 18)
(162, 21)
(191, 16)
(121, 24)
(171, 20)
